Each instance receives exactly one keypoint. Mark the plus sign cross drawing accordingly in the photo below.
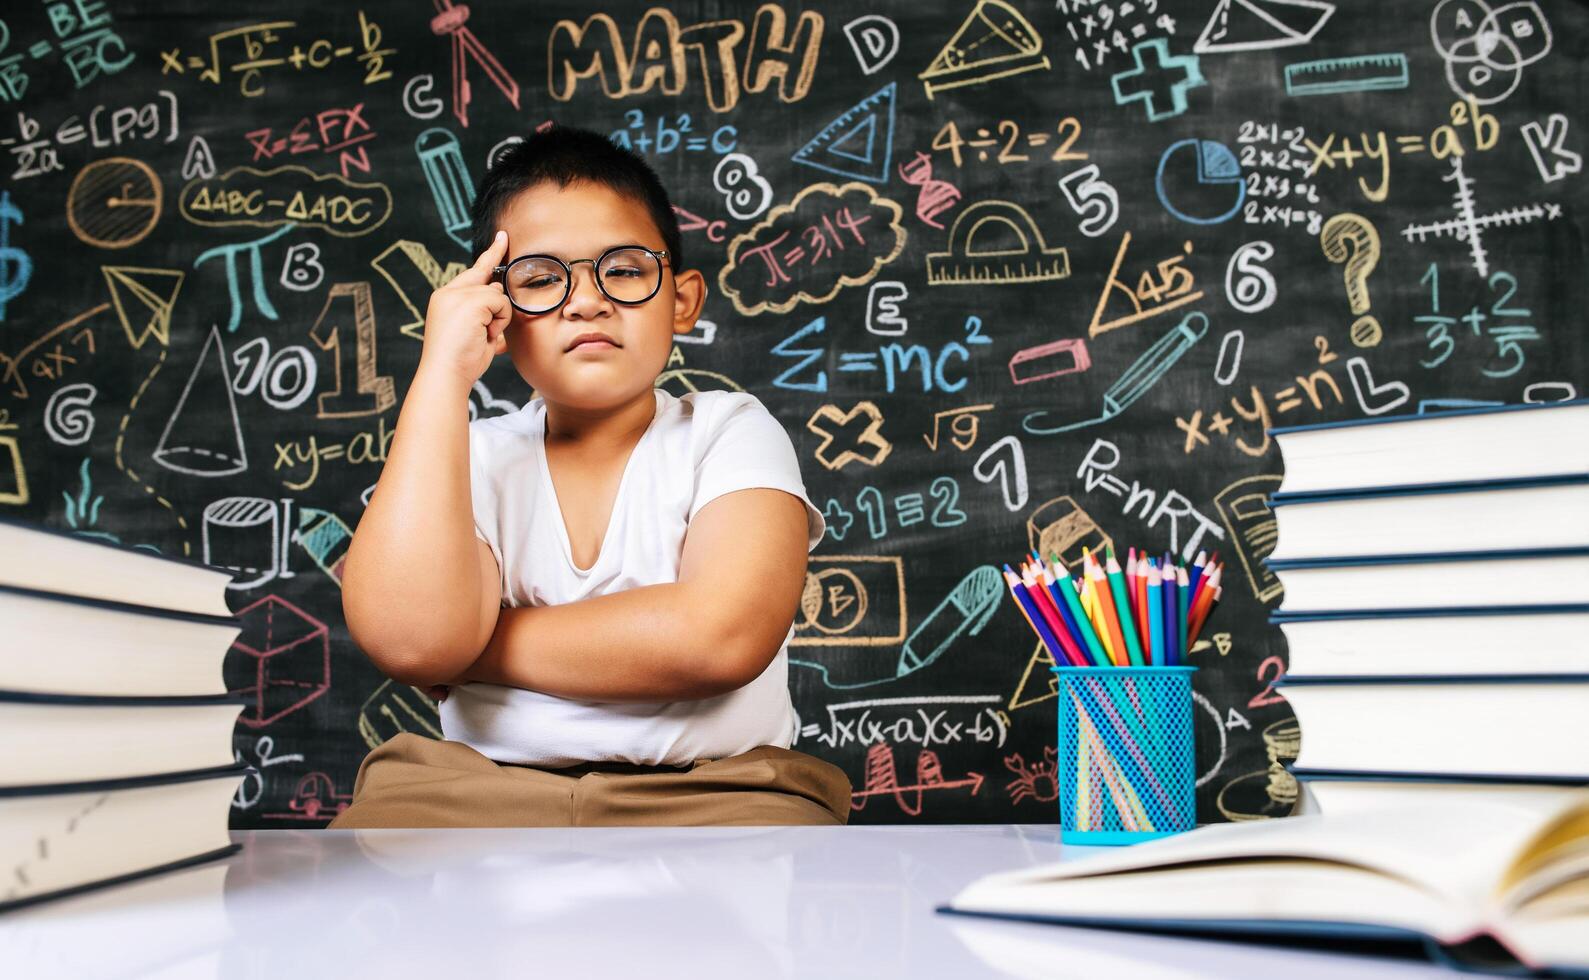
(1160, 86)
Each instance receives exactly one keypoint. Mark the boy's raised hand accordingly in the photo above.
(466, 320)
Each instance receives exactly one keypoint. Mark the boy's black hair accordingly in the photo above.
(563, 155)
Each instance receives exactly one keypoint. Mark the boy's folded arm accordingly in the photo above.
(712, 631)
(411, 581)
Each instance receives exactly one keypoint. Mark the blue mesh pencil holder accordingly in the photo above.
(1126, 768)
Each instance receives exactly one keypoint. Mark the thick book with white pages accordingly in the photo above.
(1330, 792)
(52, 739)
(1482, 640)
(1505, 727)
(1495, 884)
(47, 559)
(1504, 442)
(57, 841)
(60, 644)
(1397, 582)
(1517, 515)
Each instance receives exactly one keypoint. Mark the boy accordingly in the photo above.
(610, 644)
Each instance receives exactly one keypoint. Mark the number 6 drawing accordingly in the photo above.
(1092, 197)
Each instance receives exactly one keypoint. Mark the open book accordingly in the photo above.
(1489, 882)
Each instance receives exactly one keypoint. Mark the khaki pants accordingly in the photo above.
(413, 781)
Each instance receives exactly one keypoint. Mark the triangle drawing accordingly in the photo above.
(1257, 25)
(859, 143)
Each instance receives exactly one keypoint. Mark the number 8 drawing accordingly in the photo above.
(1092, 197)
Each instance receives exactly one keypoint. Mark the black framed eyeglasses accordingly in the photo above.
(626, 274)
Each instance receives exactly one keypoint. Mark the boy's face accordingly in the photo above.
(581, 221)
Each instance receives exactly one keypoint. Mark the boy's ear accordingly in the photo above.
(689, 296)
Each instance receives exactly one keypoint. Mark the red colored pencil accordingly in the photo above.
(1205, 602)
(1045, 606)
(1142, 608)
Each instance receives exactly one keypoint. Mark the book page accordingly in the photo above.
(1237, 891)
(1458, 852)
(1552, 928)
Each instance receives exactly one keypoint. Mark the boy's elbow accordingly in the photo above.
(421, 673)
(743, 651)
(397, 653)
(415, 666)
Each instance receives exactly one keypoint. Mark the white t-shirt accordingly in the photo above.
(698, 447)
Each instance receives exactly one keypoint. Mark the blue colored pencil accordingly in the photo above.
(1156, 614)
(1033, 616)
(1195, 573)
(1065, 615)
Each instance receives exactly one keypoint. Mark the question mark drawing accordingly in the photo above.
(1352, 240)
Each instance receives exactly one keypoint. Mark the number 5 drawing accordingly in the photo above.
(1092, 197)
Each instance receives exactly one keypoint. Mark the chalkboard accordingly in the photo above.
(1013, 275)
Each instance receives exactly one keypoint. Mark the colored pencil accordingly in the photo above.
(1034, 619)
(1073, 603)
(1111, 619)
(1050, 617)
(1209, 597)
(1211, 577)
(1066, 631)
(1197, 571)
(1141, 609)
(1089, 603)
(1183, 596)
(1167, 581)
(1156, 616)
(1213, 604)
(1117, 588)
(1044, 605)
(1051, 579)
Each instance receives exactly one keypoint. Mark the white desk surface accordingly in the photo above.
(591, 902)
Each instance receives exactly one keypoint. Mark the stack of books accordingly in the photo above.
(1436, 610)
(116, 758)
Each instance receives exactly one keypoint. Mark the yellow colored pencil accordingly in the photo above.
(1095, 615)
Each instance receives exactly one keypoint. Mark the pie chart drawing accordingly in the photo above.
(1199, 181)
